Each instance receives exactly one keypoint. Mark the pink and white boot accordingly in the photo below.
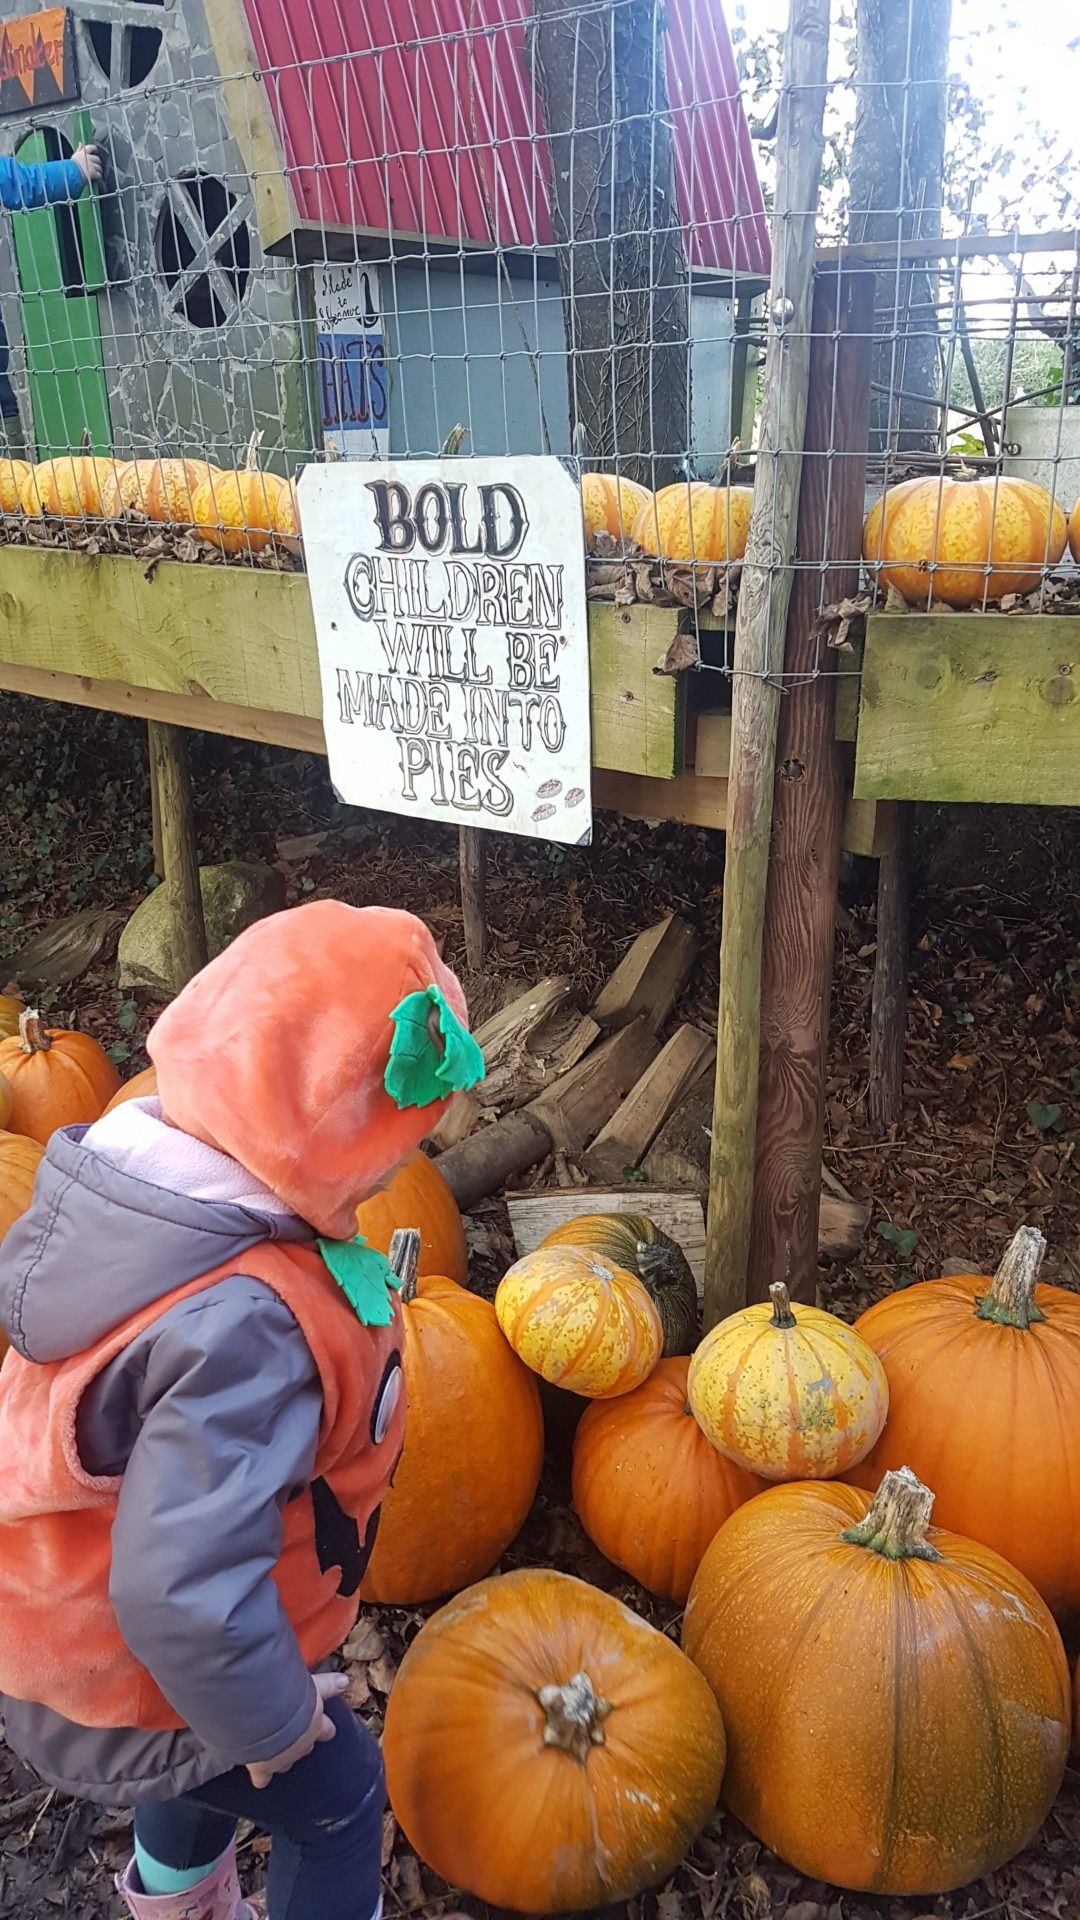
(215, 1898)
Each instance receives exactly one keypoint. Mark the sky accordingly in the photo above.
(1023, 60)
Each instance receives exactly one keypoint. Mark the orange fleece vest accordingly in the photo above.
(60, 1644)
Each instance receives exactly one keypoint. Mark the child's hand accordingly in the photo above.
(328, 1686)
(88, 161)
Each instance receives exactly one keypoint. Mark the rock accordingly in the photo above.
(234, 896)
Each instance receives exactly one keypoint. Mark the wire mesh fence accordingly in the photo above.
(332, 231)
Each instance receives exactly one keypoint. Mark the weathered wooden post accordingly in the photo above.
(171, 781)
(764, 594)
(808, 804)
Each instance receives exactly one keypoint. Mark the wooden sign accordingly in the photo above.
(354, 379)
(450, 615)
(37, 61)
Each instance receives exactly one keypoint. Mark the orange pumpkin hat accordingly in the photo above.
(277, 1053)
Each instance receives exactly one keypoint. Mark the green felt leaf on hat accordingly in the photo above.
(431, 1055)
(365, 1277)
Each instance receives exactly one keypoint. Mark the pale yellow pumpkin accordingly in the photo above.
(238, 511)
(579, 1322)
(694, 521)
(610, 503)
(159, 490)
(963, 540)
(788, 1394)
(14, 476)
(70, 487)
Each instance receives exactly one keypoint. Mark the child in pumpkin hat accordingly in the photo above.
(203, 1407)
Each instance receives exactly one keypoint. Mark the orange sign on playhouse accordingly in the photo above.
(37, 61)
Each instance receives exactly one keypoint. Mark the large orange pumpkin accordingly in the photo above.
(474, 1446)
(963, 540)
(14, 476)
(580, 1322)
(791, 1394)
(418, 1196)
(5, 1101)
(19, 1162)
(70, 487)
(141, 1086)
(896, 1700)
(546, 1750)
(693, 521)
(160, 490)
(58, 1079)
(239, 511)
(984, 1405)
(611, 504)
(1074, 532)
(11, 1012)
(649, 1489)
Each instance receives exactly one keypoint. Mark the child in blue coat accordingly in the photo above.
(25, 187)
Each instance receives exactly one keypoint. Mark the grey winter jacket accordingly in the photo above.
(212, 1418)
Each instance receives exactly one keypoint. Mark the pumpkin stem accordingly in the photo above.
(252, 463)
(574, 1715)
(782, 1315)
(32, 1032)
(405, 1259)
(454, 441)
(897, 1521)
(659, 1264)
(1011, 1299)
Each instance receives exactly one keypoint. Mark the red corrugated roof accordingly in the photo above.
(418, 117)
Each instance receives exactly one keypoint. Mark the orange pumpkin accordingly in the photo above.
(474, 1446)
(19, 1162)
(896, 1699)
(611, 504)
(159, 490)
(1074, 532)
(14, 476)
(70, 487)
(649, 1489)
(580, 1322)
(5, 1101)
(693, 521)
(973, 1363)
(546, 1750)
(418, 1196)
(962, 540)
(791, 1394)
(58, 1079)
(11, 1012)
(286, 511)
(239, 511)
(141, 1086)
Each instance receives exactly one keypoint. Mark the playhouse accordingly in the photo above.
(329, 223)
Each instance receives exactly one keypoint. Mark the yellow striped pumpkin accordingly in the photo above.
(579, 1322)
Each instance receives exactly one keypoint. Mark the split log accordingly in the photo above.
(568, 1115)
(679, 1157)
(688, 1055)
(649, 979)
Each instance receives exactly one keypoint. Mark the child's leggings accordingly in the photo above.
(324, 1818)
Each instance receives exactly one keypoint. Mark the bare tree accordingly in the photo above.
(896, 190)
(600, 74)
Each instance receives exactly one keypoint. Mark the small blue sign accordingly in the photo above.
(354, 386)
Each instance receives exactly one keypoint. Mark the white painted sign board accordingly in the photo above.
(451, 620)
(350, 344)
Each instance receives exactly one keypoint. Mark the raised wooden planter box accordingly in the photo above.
(968, 706)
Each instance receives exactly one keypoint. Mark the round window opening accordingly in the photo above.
(203, 250)
(126, 55)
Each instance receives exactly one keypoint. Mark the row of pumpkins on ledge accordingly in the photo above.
(884, 1704)
(960, 540)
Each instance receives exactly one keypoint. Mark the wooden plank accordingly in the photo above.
(244, 639)
(650, 976)
(176, 709)
(799, 943)
(712, 745)
(970, 707)
(638, 715)
(888, 1006)
(251, 124)
(694, 800)
(635, 1123)
(764, 593)
(534, 1215)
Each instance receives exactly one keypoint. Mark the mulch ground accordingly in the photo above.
(989, 1140)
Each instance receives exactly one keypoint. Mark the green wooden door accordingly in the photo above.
(61, 261)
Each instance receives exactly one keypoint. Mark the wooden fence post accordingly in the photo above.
(764, 592)
(171, 777)
(888, 1011)
(808, 805)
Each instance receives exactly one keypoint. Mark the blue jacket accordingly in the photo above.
(22, 188)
